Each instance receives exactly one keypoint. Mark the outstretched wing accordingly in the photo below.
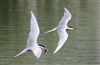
(65, 19)
(34, 31)
(51, 30)
(37, 51)
(21, 52)
(62, 39)
(32, 38)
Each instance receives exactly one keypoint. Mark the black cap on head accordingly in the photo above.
(70, 26)
(44, 49)
(41, 45)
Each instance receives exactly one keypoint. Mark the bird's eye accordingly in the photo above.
(45, 51)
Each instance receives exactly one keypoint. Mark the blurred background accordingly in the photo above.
(81, 48)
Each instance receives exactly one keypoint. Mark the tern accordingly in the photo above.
(32, 39)
(61, 29)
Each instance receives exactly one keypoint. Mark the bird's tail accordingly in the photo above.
(21, 52)
(51, 30)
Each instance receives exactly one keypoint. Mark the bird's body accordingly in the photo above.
(61, 29)
(32, 39)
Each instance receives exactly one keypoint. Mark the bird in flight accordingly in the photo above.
(32, 44)
(62, 29)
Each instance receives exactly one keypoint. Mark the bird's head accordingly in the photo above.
(70, 28)
(43, 48)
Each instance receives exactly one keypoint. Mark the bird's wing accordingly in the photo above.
(51, 30)
(34, 31)
(37, 52)
(66, 17)
(63, 35)
(21, 52)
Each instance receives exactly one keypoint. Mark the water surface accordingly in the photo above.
(82, 47)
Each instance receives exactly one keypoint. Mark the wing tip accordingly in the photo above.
(37, 57)
(47, 32)
(15, 56)
(54, 52)
(65, 8)
(66, 11)
(31, 13)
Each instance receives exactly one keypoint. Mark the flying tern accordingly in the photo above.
(32, 39)
(62, 28)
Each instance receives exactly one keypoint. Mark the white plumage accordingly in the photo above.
(61, 29)
(32, 39)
